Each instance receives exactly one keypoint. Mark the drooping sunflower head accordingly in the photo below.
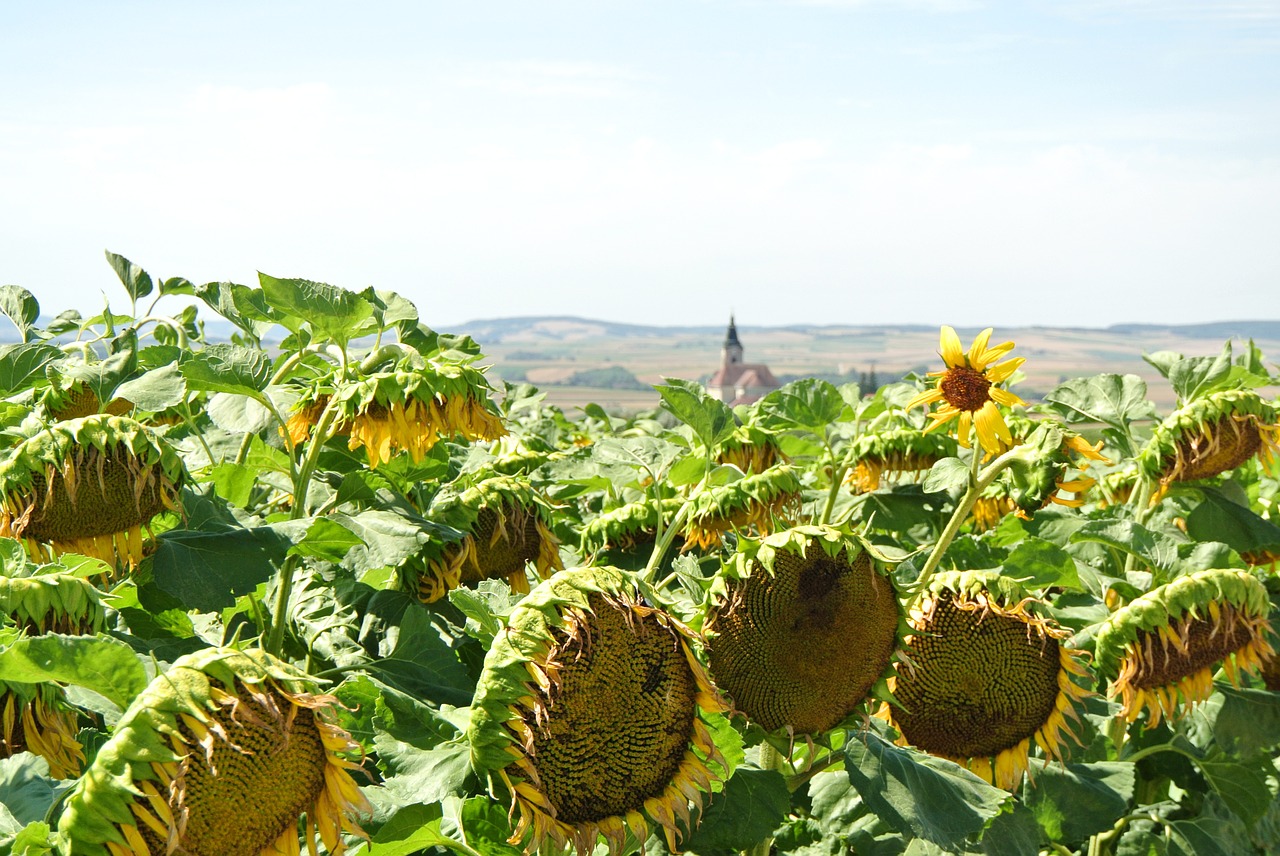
(626, 528)
(751, 449)
(801, 626)
(221, 755)
(1210, 435)
(1050, 464)
(52, 603)
(984, 678)
(506, 526)
(757, 502)
(77, 400)
(968, 389)
(37, 717)
(1160, 650)
(592, 712)
(896, 455)
(413, 409)
(88, 486)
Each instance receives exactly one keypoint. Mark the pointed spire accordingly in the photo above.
(731, 337)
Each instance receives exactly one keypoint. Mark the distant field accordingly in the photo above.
(546, 351)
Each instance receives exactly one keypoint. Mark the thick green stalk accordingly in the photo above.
(978, 482)
(770, 759)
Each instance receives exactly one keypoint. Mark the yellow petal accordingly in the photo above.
(949, 347)
(979, 348)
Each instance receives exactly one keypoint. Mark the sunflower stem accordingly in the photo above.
(664, 541)
(837, 479)
(979, 480)
(770, 759)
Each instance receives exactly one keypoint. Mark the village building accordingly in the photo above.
(736, 382)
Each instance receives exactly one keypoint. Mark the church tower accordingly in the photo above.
(731, 352)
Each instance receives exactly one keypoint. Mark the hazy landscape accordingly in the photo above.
(564, 355)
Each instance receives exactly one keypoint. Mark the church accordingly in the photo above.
(736, 382)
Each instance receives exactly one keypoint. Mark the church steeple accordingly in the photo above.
(731, 352)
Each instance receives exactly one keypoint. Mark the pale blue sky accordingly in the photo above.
(925, 161)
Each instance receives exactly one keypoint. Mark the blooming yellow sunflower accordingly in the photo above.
(968, 389)
(984, 678)
(592, 713)
(1160, 650)
(221, 755)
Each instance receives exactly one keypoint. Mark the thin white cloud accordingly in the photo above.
(545, 78)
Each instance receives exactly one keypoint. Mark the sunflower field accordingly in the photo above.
(320, 587)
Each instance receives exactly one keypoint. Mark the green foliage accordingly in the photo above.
(284, 538)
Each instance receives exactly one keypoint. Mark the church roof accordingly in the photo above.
(744, 375)
(731, 335)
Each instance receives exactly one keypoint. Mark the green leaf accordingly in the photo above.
(422, 663)
(136, 281)
(947, 475)
(105, 665)
(209, 570)
(26, 788)
(239, 414)
(227, 368)
(426, 775)
(1158, 550)
(1192, 377)
(158, 389)
(234, 482)
(710, 419)
(1038, 564)
(35, 839)
(1220, 519)
(1245, 722)
(752, 805)
(1013, 832)
(19, 306)
(326, 539)
(1114, 400)
(389, 538)
(22, 365)
(920, 794)
(333, 313)
(410, 830)
(809, 404)
(486, 827)
(243, 306)
(1076, 801)
(1242, 785)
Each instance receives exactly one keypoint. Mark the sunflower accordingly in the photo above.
(88, 486)
(756, 501)
(1209, 436)
(626, 528)
(984, 677)
(1045, 472)
(37, 717)
(79, 400)
(221, 755)
(413, 409)
(505, 526)
(1160, 650)
(802, 625)
(751, 449)
(968, 389)
(895, 455)
(592, 712)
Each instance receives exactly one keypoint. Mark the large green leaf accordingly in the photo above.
(1038, 564)
(1113, 400)
(919, 794)
(21, 366)
(1220, 519)
(752, 805)
(26, 789)
(1242, 785)
(326, 539)
(157, 389)
(486, 827)
(422, 663)
(810, 404)
(105, 665)
(412, 829)
(19, 306)
(227, 368)
(135, 280)
(1242, 721)
(333, 313)
(209, 570)
(710, 419)
(243, 306)
(1076, 801)
(1191, 377)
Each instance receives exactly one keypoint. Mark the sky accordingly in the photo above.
(1054, 162)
